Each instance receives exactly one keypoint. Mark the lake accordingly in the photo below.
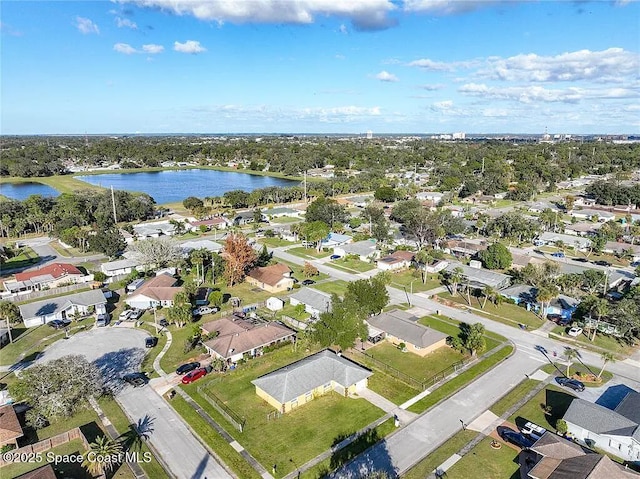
(172, 186)
(21, 191)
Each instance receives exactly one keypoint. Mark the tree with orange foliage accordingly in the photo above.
(239, 257)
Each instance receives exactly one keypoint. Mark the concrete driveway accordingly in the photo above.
(118, 351)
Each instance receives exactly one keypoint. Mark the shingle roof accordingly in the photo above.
(238, 337)
(296, 379)
(599, 419)
(362, 248)
(44, 472)
(398, 323)
(270, 275)
(10, 428)
(61, 303)
(554, 446)
(56, 270)
(318, 300)
(629, 407)
(482, 276)
(159, 287)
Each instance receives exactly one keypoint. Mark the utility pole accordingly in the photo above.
(305, 187)
(113, 203)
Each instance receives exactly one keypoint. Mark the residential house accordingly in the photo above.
(553, 457)
(300, 382)
(282, 212)
(615, 247)
(526, 296)
(540, 206)
(44, 472)
(315, 302)
(464, 248)
(587, 214)
(246, 218)
(578, 242)
(336, 239)
(10, 429)
(365, 250)
(582, 228)
(218, 223)
(400, 327)
(480, 278)
(209, 245)
(433, 197)
(275, 304)
(436, 266)
(584, 201)
(397, 260)
(120, 267)
(153, 230)
(157, 291)
(274, 278)
(235, 339)
(62, 307)
(612, 424)
(359, 201)
(47, 277)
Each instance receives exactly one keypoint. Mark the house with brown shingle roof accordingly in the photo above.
(10, 429)
(274, 278)
(396, 260)
(157, 291)
(44, 472)
(234, 339)
(49, 276)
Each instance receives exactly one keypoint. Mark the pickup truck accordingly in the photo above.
(533, 430)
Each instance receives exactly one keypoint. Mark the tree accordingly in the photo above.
(199, 258)
(315, 232)
(99, 459)
(423, 258)
(309, 270)
(369, 294)
(607, 357)
(600, 308)
(562, 427)
(496, 256)
(58, 388)
(10, 314)
(341, 326)
(455, 277)
(469, 339)
(489, 293)
(239, 257)
(157, 251)
(179, 227)
(593, 279)
(544, 295)
(192, 203)
(215, 298)
(180, 312)
(264, 257)
(386, 194)
(326, 210)
(107, 241)
(570, 354)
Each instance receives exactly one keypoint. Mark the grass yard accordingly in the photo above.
(405, 278)
(429, 464)
(503, 404)
(284, 220)
(581, 369)
(295, 437)
(391, 388)
(609, 343)
(298, 271)
(338, 287)
(352, 265)
(275, 242)
(291, 311)
(80, 418)
(119, 420)
(62, 183)
(26, 258)
(450, 327)
(150, 356)
(484, 462)
(175, 355)
(510, 314)
(308, 253)
(555, 397)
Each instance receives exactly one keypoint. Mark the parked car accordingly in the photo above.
(570, 383)
(204, 310)
(575, 332)
(558, 254)
(308, 282)
(335, 256)
(533, 431)
(124, 315)
(164, 323)
(515, 437)
(602, 263)
(136, 379)
(150, 342)
(135, 314)
(186, 368)
(102, 319)
(581, 260)
(59, 323)
(194, 375)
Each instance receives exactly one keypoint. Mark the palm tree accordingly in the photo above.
(545, 295)
(455, 277)
(9, 313)
(600, 307)
(95, 460)
(607, 357)
(489, 293)
(423, 258)
(570, 354)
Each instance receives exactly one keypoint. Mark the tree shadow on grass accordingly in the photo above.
(363, 457)
(556, 404)
(91, 431)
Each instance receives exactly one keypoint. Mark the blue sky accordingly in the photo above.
(325, 66)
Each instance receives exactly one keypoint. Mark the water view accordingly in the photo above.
(21, 191)
(175, 185)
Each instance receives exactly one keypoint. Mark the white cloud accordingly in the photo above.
(125, 23)
(443, 105)
(386, 76)
(427, 64)
(605, 65)
(86, 26)
(433, 87)
(152, 48)
(447, 7)
(190, 46)
(364, 14)
(343, 29)
(124, 48)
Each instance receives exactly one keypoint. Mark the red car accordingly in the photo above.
(194, 375)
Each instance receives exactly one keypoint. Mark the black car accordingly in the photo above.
(308, 282)
(164, 323)
(571, 383)
(515, 437)
(150, 342)
(602, 263)
(59, 324)
(185, 368)
(136, 379)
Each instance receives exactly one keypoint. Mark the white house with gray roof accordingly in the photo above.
(62, 307)
(300, 382)
(315, 302)
(614, 429)
(480, 277)
(366, 250)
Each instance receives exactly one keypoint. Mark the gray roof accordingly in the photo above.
(316, 299)
(600, 420)
(61, 303)
(629, 407)
(209, 245)
(568, 240)
(361, 248)
(280, 210)
(303, 376)
(481, 277)
(120, 264)
(402, 325)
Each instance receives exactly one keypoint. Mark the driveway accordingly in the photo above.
(117, 351)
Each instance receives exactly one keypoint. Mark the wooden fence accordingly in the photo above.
(19, 298)
(46, 444)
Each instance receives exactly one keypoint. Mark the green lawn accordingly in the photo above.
(285, 219)
(429, 464)
(290, 310)
(405, 279)
(579, 368)
(26, 257)
(298, 435)
(484, 462)
(176, 355)
(119, 420)
(391, 388)
(506, 313)
(274, 242)
(80, 418)
(609, 343)
(554, 396)
(308, 253)
(150, 356)
(62, 183)
(512, 397)
(450, 327)
(338, 287)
